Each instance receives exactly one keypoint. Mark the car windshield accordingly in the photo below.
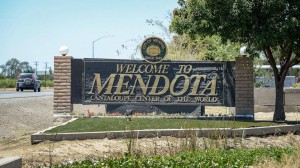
(25, 75)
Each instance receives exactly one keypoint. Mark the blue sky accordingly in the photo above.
(34, 30)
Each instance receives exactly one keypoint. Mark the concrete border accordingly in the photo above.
(11, 162)
(180, 133)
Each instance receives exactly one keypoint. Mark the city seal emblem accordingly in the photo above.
(154, 50)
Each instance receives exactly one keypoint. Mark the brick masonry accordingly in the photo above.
(244, 88)
(62, 84)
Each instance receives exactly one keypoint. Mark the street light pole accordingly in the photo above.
(93, 43)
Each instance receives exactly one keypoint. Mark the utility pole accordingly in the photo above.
(36, 64)
(46, 75)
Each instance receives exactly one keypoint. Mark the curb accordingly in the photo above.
(227, 117)
(7, 89)
(9, 162)
(179, 133)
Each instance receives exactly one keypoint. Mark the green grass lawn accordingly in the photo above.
(120, 124)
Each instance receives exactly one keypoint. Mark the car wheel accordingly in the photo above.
(34, 89)
(39, 89)
(17, 89)
(21, 90)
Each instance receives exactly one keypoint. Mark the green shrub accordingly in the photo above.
(49, 83)
(207, 158)
(11, 83)
(2, 76)
(7, 83)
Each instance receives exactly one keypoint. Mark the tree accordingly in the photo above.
(263, 25)
(10, 68)
(13, 67)
(183, 47)
(25, 67)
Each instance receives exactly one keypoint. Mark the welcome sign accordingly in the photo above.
(108, 81)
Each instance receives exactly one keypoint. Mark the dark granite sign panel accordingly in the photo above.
(138, 82)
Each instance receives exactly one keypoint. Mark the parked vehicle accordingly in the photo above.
(28, 81)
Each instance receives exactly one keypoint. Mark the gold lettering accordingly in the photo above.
(140, 68)
(97, 79)
(184, 99)
(120, 68)
(206, 99)
(196, 84)
(135, 69)
(165, 69)
(121, 83)
(185, 86)
(210, 86)
(185, 69)
(154, 87)
(143, 86)
(157, 69)
(148, 68)
(155, 98)
(143, 68)
(129, 68)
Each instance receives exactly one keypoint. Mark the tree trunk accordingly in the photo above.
(279, 113)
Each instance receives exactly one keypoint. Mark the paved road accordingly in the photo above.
(25, 93)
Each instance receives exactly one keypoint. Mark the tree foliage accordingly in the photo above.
(13, 67)
(184, 47)
(270, 26)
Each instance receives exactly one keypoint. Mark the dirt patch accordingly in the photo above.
(21, 116)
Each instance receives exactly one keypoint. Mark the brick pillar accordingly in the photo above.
(244, 88)
(62, 84)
